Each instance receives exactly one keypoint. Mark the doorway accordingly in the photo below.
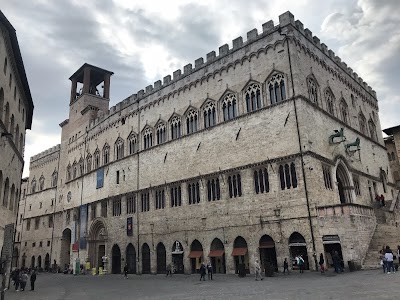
(298, 246)
(217, 256)
(177, 258)
(145, 259)
(66, 248)
(131, 258)
(196, 256)
(241, 255)
(116, 260)
(268, 252)
(161, 259)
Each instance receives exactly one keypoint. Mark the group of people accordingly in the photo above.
(206, 269)
(20, 277)
(380, 200)
(387, 259)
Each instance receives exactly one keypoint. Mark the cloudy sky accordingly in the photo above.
(142, 41)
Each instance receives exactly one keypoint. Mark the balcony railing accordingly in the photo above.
(346, 209)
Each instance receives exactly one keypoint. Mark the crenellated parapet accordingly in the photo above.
(226, 55)
(44, 157)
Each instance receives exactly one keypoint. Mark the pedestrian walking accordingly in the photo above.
(23, 280)
(209, 270)
(382, 260)
(33, 279)
(321, 263)
(337, 262)
(169, 270)
(203, 271)
(16, 279)
(126, 269)
(285, 267)
(300, 262)
(257, 270)
(389, 260)
(382, 200)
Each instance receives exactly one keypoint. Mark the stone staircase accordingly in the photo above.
(386, 234)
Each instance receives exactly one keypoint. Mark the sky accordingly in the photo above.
(143, 41)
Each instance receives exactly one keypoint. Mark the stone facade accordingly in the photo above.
(232, 159)
(16, 109)
(392, 143)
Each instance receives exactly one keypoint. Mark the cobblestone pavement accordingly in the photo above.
(358, 285)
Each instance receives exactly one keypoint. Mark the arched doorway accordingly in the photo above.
(131, 258)
(97, 243)
(146, 259)
(47, 262)
(343, 184)
(161, 259)
(116, 260)
(241, 255)
(298, 246)
(177, 257)
(268, 252)
(196, 256)
(65, 248)
(33, 262)
(39, 262)
(15, 258)
(23, 263)
(217, 256)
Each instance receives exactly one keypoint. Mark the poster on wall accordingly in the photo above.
(129, 226)
(100, 178)
(82, 227)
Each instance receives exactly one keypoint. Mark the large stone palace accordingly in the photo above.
(269, 149)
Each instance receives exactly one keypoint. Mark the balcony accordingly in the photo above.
(346, 209)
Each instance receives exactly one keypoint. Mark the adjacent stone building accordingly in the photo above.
(16, 108)
(270, 149)
(392, 143)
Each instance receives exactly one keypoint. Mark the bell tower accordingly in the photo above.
(90, 93)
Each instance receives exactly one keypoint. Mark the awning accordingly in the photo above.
(216, 253)
(297, 244)
(195, 254)
(267, 245)
(239, 251)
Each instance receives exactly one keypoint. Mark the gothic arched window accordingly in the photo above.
(147, 138)
(276, 88)
(329, 99)
(41, 183)
(175, 127)
(88, 162)
(33, 186)
(74, 170)
(261, 181)
(344, 111)
(54, 178)
(81, 166)
(209, 114)
(235, 186)
(106, 154)
(288, 176)
(362, 122)
(191, 121)
(253, 97)
(96, 158)
(160, 133)
(119, 148)
(313, 90)
(229, 107)
(69, 172)
(372, 130)
(213, 189)
(132, 143)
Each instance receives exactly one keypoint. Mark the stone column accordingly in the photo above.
(86, 80)
(73, 90)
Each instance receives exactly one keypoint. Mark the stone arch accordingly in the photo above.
(344, 182)
(47, 262)
(298, 246)
(196, 256)
(65, 248)
(15, 258)
(241, 255)
(161, 259)
(97, 242)
(217, 256)
(268, 252)
(116, 259)
(146, 266)
(131, 258)
(177, 257)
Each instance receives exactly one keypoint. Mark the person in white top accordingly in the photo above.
(389, 260)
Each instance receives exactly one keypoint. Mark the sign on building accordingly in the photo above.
(83, 225)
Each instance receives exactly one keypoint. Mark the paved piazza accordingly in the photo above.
(358, 285)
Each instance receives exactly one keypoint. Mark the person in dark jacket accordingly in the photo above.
(16, 279)
(126, 271)
(203, 271)
(209, 270)
(337, 262)
(33, 279)
(321, 263)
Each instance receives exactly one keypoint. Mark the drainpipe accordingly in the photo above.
(302, 161)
